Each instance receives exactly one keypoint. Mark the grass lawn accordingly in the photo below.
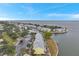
(9, 47)
(8, 39)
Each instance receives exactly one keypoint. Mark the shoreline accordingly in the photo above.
(56, 47)
(53, 47)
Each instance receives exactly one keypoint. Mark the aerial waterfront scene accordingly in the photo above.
(39, 29)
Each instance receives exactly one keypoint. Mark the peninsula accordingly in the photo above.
(23, 39)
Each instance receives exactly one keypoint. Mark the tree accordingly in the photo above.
(6, 49)
(29, 45)
(45, 26)
(36, 25)
(12, 30)
(7, 28)
(7, 39)
(13, 35)
(47, 35)
(24, 33)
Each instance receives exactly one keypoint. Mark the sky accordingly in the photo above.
(39, 11)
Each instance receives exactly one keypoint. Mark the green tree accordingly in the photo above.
(13, 35)
(24, 33)
(29, 45)
(9, 50)
(47, 35)
(12, 30)
(7, 39)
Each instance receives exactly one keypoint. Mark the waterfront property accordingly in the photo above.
(38, 46)
(60, 30)
(45, 29)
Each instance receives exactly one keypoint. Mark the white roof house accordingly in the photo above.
(38, 45)
(33, 31)
(1, 40)
(25, 27)
(21, 27)
(39, 27)
(59, 29)
(45, 29)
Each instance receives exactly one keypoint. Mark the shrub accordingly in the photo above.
(47, 35)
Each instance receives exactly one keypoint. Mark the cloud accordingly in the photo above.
(55, 14)
(64, 16)
(4, 19)
(75, 16)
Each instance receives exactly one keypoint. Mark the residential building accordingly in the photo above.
(38, 45)
(45, 29)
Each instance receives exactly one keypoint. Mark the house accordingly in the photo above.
(25, 27)
(38, 45)
(33, 31)
(22, 27)
(39, 27)
(1, 40)
(22, 44)
(59, 30)
(45, 29)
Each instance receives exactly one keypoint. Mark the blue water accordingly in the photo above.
(69, 42)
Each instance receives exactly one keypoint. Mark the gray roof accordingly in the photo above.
(23, 44)
(39, 42)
